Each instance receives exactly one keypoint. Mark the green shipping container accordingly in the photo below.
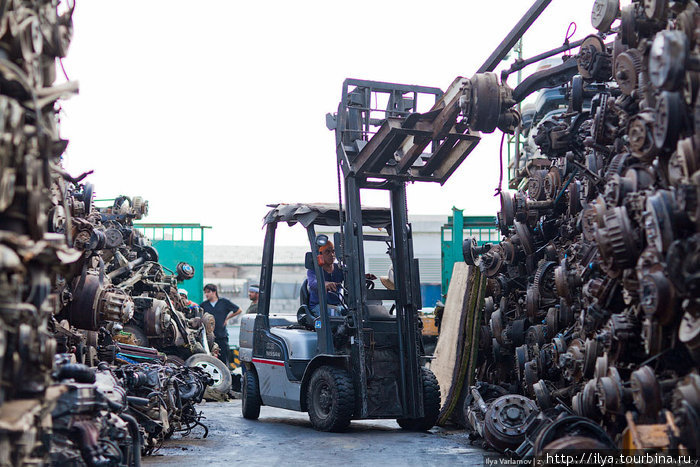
(180, 243)
(452, 235)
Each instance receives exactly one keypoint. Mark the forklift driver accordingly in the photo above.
(333, 277)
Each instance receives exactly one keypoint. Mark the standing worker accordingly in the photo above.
(222, 309)
(253, 295)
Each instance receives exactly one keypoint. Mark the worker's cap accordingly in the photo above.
(328, 245)
(182, 292)
(254, 288)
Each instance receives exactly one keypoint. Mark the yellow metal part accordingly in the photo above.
(656, 437)
(429, 327)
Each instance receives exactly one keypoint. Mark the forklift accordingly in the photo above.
(366, 361)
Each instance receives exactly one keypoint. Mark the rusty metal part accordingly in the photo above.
(657, 297)
(577, 430)
(600, 291)
(628, 65)
(525, 237)
(646, 392)
(604, 13)
(618, 242)
(506, 420)
(667, 60)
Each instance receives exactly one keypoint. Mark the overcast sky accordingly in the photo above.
(212, 109)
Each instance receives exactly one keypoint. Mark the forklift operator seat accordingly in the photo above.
(304, 293)
(304, 316)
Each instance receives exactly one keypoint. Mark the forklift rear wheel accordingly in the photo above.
(250, 405)
(431, 405)
(330, 399)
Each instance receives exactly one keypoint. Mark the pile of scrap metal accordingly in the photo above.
(111, 415)
(590, 331)
(59, 307)
(119, 294)
(33, 35)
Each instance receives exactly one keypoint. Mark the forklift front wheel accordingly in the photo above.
(431, 405)
(330, 399)
(250, 405)
(251, 402)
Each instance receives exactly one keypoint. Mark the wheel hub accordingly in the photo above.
(211, 370)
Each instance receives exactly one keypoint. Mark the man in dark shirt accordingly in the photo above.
(222, 309)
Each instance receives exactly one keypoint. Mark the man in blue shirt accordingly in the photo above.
(333, 277)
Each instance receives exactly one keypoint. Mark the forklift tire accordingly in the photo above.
(251, 402)
(330, 399)
(431, 405)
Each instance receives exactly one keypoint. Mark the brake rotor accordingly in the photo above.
(592, 350)
(601, 366)
(667, 59)
(689, 333)
(516, 331)
(520, 360)
(507, 208)
(552, 321)
(569, 443)
(652, 334)
(572, 428)
(507, 419)
(525, 237)
(657, 297)
(552, 183)
(659, 221)
(544, 280)
(489, 308)
(628, 28)
(561, 281)
(669, 120)
(686, 160)
(646, 392)
(609, 396)
(640, 131)
(508, 251)
(496, 324)
(542, 395)
(83, 312)
(535, 185)
(531, 374)
(618, 242)
(628, 65)
(574, 192)
(532, 301)
(604, 13)
(591, 47)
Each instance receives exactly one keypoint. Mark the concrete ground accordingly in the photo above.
(283, 437)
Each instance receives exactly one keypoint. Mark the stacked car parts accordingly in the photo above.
(33, 35)
(594, 307)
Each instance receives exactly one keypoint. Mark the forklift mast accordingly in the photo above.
(386, 159)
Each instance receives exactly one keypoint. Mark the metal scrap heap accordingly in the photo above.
(590, 331)
(72, 392)
(33, 36)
